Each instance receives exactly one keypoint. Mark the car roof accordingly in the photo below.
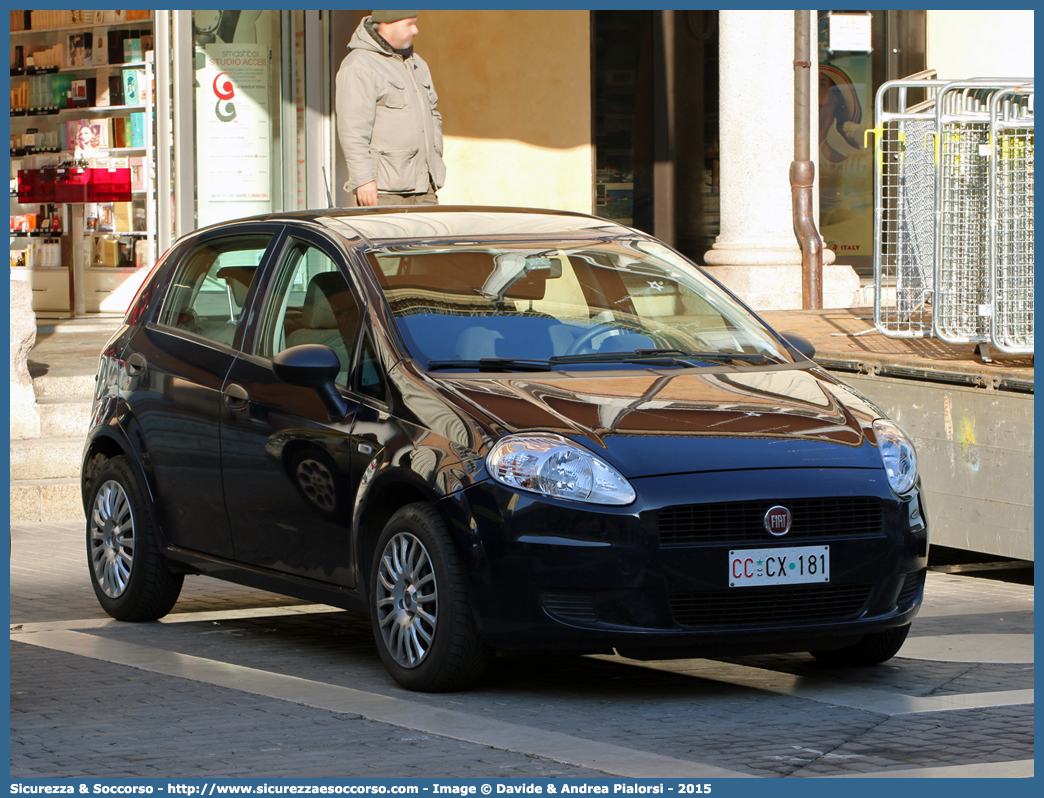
(388, 225)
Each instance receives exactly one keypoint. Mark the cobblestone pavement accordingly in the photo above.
(239, 682)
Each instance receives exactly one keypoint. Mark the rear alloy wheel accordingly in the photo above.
(419, 608)
(130, 579)
(873, 649)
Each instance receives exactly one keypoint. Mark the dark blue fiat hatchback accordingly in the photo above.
(495, 431)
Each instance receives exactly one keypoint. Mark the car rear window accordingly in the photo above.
(211, 284)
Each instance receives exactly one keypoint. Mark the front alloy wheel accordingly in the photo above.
(420, 605)
(111, 538)
(407, 600)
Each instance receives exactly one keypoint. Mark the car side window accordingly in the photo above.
(211, 284)
(310, 303)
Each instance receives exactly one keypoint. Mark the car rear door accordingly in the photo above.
(177, 365)
(286, 464)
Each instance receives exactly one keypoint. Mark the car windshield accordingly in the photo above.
(509, 306)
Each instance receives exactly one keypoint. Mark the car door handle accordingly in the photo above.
(136, 364)
(236, 397)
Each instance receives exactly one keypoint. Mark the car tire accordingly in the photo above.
(128, 573)
(420, 608)
(873, 649)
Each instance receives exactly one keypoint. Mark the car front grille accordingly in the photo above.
(737, 522)
(769, 606)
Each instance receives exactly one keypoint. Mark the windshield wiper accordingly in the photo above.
(671, 356)
(650, 357)
(489, 364)
(743, 357)
(667, 357)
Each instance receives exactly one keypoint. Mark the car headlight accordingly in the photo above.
(552, 465)
(898, 455)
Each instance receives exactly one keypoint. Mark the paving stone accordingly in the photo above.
(291, 739)
(63, 725)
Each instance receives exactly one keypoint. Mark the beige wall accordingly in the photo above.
(515, 95)
(980, 44)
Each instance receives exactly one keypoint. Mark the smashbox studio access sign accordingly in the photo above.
(232, 103)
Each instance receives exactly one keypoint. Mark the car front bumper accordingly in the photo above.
(551, 574)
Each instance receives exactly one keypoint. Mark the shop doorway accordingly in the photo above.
(255, 140)
(655, 122)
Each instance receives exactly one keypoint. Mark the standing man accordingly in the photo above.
(388, 121)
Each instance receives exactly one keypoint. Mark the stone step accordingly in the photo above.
(94, 324)
(46, 458)
(46, 500)
(49, 386)
(64, 416)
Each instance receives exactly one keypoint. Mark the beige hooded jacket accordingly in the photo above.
(388, 121)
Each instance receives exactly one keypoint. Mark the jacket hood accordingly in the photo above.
(363, 39)
(649, 423)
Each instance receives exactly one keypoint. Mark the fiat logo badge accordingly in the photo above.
(777, 521)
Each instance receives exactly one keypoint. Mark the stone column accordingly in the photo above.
(25, 417)
(757, 254)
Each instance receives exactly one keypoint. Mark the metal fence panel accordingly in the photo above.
(963, 300)
(904, 210)
(962, 131)
(1011, 220)
(953, 212)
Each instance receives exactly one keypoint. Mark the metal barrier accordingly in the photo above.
(953, 213)
(904, 208)
(1011, 220)
(962, 275)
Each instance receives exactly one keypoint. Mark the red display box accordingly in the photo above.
(110, 185)
(72, 184)
(36, 185)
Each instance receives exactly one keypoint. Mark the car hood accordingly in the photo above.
(649, 423)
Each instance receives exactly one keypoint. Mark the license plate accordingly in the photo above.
(793, 566)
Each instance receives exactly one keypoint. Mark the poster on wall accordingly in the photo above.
(232, 102)
(845, 165)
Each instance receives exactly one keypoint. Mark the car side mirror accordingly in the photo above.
(313, 366)
(800, 343)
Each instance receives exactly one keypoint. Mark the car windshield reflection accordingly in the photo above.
(536, 307)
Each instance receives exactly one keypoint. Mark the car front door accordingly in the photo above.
(177, 366)
(286, 463)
